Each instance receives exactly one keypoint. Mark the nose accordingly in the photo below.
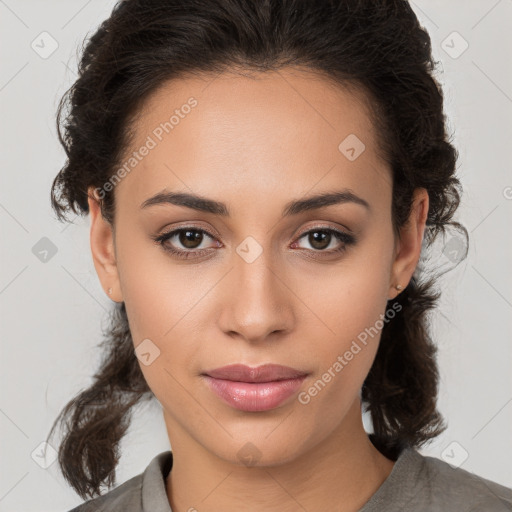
(257, 300)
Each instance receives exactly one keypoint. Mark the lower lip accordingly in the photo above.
(254, 396)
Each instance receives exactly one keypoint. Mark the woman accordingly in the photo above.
(261, 177)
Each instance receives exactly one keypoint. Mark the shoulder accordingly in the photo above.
(454, 488)
(124, 497)
(461, 487)
(141, 492)
(426, 484)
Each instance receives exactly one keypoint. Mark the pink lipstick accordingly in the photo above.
(254, 389)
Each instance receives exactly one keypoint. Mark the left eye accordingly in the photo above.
(320, 239)
(191, 238)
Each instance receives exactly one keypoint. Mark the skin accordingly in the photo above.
(256, 144)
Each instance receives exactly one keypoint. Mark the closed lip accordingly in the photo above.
(263, 373)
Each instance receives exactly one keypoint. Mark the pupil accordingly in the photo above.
(189, 237)
(319, 241)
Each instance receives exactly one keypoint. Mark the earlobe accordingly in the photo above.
(103, 250)
(411, 241)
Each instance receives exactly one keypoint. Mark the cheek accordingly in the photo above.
(343, 357)
(163, 302)
(349, 306)
(349, 350)
(154, 291)
(349, 300)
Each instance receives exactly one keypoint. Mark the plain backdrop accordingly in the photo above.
(52, 311)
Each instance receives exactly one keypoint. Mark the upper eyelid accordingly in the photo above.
(173, 231)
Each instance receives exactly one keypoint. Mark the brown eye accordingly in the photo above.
(185, 242)
(320, 239)
(190, 238)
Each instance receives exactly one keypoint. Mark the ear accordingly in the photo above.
(409, 244)
(103, 249)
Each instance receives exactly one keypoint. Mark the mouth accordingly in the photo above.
(254, 389)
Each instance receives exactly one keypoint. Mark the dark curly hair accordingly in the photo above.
(378, 48)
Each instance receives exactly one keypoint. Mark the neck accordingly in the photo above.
(341, 473)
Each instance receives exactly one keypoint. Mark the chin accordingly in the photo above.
(257, 450)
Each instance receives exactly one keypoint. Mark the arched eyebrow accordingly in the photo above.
(204, 204)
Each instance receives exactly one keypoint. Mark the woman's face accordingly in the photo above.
(263, 283)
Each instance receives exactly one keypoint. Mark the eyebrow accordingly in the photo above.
(295, 207)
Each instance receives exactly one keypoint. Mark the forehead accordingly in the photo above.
(267, 132)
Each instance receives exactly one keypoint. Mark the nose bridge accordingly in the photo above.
(258, 302)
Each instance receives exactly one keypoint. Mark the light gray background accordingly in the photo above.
(52, 312)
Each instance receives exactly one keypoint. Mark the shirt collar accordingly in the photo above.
(153, 493)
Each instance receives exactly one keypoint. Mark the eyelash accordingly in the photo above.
(186, 254)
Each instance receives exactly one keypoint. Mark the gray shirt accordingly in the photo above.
(417, 483)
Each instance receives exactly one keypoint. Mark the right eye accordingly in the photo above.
(189, 237)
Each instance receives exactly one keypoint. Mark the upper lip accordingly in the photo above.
(264, 373)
